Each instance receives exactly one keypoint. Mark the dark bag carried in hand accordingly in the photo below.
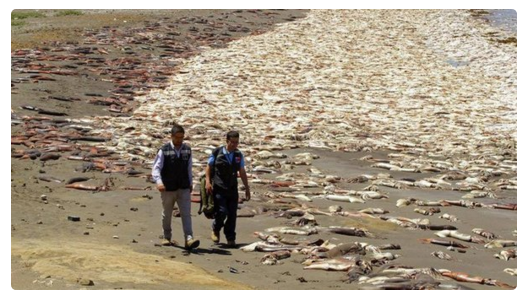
(207, 205)
(207, 202)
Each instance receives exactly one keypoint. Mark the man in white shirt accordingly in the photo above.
(174, 179)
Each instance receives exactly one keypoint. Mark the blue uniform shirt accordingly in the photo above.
(229, 157)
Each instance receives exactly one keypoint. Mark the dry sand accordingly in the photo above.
(114, 246)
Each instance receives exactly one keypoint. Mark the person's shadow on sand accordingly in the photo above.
(200, 251)
(221, 249)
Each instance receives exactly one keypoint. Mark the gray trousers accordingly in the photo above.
(183, 198)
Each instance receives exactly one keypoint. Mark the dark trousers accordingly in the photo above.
(226, 205)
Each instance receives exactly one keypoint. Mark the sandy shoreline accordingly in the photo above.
(392, 114)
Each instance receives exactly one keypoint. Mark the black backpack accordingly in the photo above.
(207, 202)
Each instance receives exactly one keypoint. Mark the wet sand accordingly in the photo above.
(122, 227)
(44, 240)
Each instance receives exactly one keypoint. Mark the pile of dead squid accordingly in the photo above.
(372, 266)
(289, 195)
(130, 61)
(444, 103)
(328, 99)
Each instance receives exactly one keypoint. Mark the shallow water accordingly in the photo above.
(503, 18)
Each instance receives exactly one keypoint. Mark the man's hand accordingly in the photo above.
(209, 188)
(248, 194)
(161, 187)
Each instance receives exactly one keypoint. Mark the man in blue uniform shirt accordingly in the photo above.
(221, 181)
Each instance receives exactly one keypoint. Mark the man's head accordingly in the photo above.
(232, 139)
(177, 135)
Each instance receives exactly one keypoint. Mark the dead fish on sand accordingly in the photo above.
(274, 257)
(427, 212)
(339, 264)
(506, 255)
(463, 277)
(479, 194)
(374, 211)
(449, 217)
(500, 243)
(458, 235)
(77, 179)
(508, 206)
(463, 203)
(429, 203)
(405, 202)
(511, 271)
(388, 183)
(437, 227)
(306, 220)
(295, 231)
(270, 238)
(49, 156)
(442, 255)
(108, 183)
(403, 279)
(406, 222)
(351, 231)
(267, 154)
(300, 197)
(389, 246)
(408, 271)
(484, 233)
(134, 188)
(80, 186)
(49, 178)
(444, 242)
(346, 248)
(367, 195)
(392, 167)
(261, 246)
(342, 198)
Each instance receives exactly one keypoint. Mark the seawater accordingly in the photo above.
(503, 18)
(506, 19)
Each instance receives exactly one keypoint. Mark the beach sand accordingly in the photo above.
(115, 242)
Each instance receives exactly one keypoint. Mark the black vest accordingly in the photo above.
(175, 173)
(225, 174)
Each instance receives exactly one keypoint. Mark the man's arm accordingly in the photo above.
(158, 164)
(209, 187)
(190, 173)
(243, 176)
(210, 162)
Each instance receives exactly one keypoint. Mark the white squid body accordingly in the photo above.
(453, 234)
(251, 247)
(330, 264)
(343, 198)
(511, 271)
(500, 243)
(294, 231)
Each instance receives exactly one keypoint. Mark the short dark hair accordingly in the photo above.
(232, 134)
(177, 129)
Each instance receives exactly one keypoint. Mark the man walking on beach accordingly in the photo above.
(221, 181)
(174, 179)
